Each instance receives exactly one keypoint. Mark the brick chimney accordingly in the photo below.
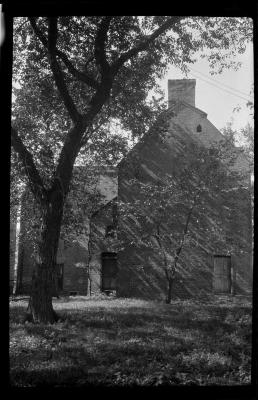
(181, 89)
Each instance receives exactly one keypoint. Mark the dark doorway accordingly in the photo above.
(222, 274)
(109, 272)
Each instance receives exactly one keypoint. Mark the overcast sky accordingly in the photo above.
(219, 94)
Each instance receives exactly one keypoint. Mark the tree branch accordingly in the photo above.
(50, 45)
(179, 249)
(81, 76)
(74, 138)
(161, 246)
(35, 181)
(37, 31)
(91, 130)
(99, 48)
(57, 72)
(67, 157)
(143, 45)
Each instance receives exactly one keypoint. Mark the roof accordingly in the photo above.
(173, 105)
(163, 116)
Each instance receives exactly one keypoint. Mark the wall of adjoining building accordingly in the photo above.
(72, 253)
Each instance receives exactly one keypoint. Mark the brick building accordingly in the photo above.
(106, 259)
(73, 255)
(203, 269)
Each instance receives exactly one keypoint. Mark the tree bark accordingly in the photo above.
(40, 308)
(40, 303)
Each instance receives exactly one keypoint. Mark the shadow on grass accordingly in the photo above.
(122, 364)
(17, 313)
(136, 317)
(65, 376)
(130, 345)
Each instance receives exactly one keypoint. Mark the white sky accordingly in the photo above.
(218, 103)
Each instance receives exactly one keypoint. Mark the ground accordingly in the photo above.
(133, 342)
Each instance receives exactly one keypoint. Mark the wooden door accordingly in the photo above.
(109, 271)
(222, 274)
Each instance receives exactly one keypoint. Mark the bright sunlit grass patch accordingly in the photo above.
(131, 341)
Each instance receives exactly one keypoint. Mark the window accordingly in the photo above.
(199, 128)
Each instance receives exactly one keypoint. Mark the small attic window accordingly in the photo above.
(199, 128)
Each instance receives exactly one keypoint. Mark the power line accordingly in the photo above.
(219, 83)
(222, 84)
(225, 90)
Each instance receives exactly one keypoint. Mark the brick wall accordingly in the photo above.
(140, 272)
(181, 89)
(76, 268)
(74, 255)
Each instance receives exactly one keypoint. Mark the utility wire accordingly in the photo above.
(225, 90)
(219, 83)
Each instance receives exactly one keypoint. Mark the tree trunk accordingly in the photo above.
(40, 303)
(17, 288)
(170, 272)
(40, 306)
(169, 293)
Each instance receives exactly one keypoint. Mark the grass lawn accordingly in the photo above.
(133, 342)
